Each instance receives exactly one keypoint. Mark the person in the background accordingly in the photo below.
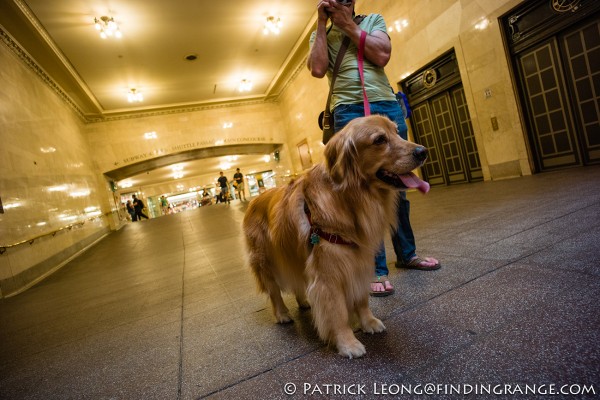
(131, 211)
(164, 205)
(224, 183)
(138, 204)
(238, 182)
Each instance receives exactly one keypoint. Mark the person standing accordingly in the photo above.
(164, 205)
(138, 205)
(347, 104)
(131, 211)
(224, 183)
(238, 179)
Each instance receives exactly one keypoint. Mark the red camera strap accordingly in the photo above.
(361, 70)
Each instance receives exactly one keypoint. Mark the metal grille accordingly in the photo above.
(448, 138)
(548, 110)
(582, 49)
(425, 135)
(468, 137)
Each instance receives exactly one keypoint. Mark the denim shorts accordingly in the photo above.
(345, 113)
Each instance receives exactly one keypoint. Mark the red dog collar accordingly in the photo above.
(316, 233)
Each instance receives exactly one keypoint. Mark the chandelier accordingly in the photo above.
(245, 85)
(273, 25)
(107, 27)
(134, 96)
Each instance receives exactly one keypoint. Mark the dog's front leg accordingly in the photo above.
(330, 313)
(368, 322)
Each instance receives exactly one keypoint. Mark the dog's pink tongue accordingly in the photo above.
(410, 180)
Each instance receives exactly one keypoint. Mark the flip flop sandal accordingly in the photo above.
(415, 263)
(385, 292)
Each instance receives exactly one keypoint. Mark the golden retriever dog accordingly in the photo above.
(317, 236)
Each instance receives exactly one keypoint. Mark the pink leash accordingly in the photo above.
(361, 71)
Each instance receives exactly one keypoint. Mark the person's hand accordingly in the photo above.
(322, 7)
(340, 15)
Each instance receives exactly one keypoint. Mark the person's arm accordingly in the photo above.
(318, 57)
(378, 47)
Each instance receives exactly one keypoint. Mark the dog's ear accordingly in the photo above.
(342, 161)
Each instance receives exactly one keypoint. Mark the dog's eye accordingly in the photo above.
(381, 139)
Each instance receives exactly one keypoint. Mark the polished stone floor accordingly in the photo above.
(165, 309)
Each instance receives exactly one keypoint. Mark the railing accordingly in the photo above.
(5, 247)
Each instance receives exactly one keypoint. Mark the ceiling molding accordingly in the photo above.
(32, 19)
(30, 63)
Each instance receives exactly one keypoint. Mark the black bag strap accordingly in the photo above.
(336, 67)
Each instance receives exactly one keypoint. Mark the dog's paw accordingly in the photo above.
(374, 325)
(351, 349)
(284, 318)
(304, 305)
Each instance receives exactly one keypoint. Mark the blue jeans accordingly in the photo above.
(403, 238)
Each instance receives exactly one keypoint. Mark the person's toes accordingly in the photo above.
(377, 287)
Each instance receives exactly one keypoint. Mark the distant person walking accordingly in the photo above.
(131, 211)
(138, 204)
(238, 183)
(224, 183)
(164, 205)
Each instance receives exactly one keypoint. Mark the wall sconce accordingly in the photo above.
(107, 27)
(134, 96)
(273, 25)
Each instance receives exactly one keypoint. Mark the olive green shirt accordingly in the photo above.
(348, 89)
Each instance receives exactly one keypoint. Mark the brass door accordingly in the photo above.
(560, 80)
(443, 124)
(553, 133)
(582, 58)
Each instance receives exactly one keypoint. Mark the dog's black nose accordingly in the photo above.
(420, 153)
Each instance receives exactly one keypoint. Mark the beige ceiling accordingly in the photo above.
(227, 37)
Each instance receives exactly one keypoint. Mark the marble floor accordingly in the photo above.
(165, 309)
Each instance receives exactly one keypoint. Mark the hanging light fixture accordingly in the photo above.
(134, 96)
(107, 27)
(273, 25)
(245, 85)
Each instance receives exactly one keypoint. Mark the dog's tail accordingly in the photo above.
(256, 234)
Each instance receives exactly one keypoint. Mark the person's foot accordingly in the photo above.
(423, 264)
(381, 287)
